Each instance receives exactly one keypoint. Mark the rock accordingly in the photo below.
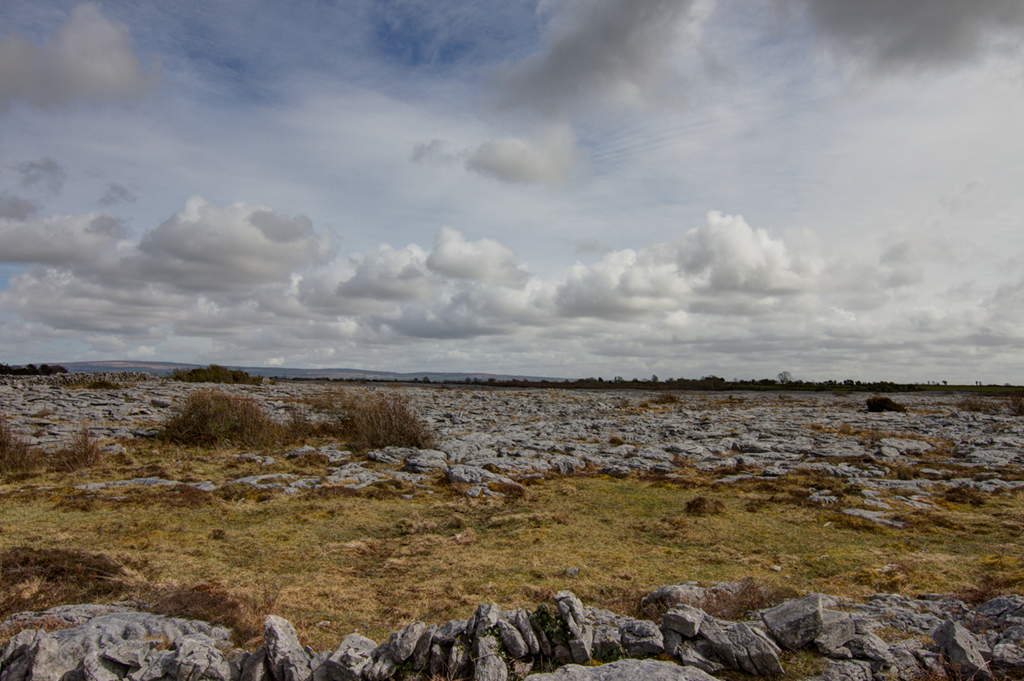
(626, 670)
(160, 665)
(97, 667)
(1004, 611)
(256, 667)
(402, 643)
(872, 648)
(874, 516)
(683, 619)
(488, 665)
(641, 638)
(690, 653)
(485, 617)
(837, 628)
(51, 661)
(287, 659)
(512, 640)
(348, 661)
(847, 670)
(522, 622)
(743, 647)
(962, 651)
(794, 624)
(1008, 656)
(421, 653)
(581, 632)
(666, 597)
(198, 660)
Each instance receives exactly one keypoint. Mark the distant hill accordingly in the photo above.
(165, 368)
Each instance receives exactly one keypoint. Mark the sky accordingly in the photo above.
(571, 188)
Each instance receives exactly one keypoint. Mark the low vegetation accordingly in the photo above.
(880, 404)
(16, 456)
(335, 560)
(386, 419)
(215, 373)
(212, 418)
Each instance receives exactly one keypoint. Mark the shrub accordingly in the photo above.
(16, 456)
(387, 420)
(82, 452)
(880, 404)
(215, 373)
(1016, 404)
(704, 506)
(977, 404)
(58, 576)
(210, 417)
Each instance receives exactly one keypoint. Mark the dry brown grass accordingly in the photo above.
(17, 458)
(82, 452)
(387, 419)
(212, 418)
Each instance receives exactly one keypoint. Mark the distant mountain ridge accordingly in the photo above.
(165, 368)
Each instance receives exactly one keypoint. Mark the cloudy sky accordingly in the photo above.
(834, 188)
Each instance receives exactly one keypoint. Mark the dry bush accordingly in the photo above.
(210, 418)
(964, 495)
(665, 398)
(81, 453)
(989, 586)
(880, 404)
(1015, 403)
(750, 595)
(213, 603)
(16, 456)
(387, 420)
(976, 403)
(704, 506)
(37, 579)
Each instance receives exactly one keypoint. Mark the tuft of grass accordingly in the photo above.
(40, 578)
(387, 420)
(880, 404)
(211, 418)
(704, 506)
(81, 453)
(211, 602)
(101, 384)
(17, 458)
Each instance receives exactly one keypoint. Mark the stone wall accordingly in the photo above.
(932, 633)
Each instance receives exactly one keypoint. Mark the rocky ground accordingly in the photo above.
(487, 441)
(489, 436)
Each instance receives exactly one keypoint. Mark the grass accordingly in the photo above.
(373, 561)
(17, 458)
(210, 418)
(386, 419)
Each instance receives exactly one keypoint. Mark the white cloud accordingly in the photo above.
(59, 240)
(725, 254)
(89, 58)
(388, 275)
(225, 248)
(549, 158)
(485, 260)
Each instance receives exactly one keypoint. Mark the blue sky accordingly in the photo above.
(562, 187)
